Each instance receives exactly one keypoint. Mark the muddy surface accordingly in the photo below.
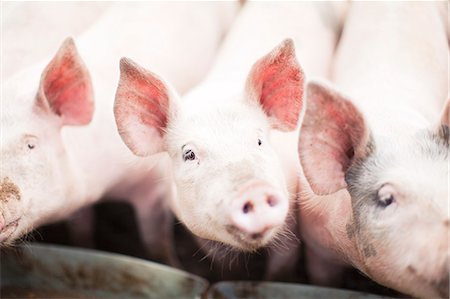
(116, 231)
(20, 292)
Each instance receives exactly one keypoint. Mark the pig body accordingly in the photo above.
(375, 169)
(228, 139)
(56, 164)
(22, 20)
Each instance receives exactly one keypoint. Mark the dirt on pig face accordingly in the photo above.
(9, 190)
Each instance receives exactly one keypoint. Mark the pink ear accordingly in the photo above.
(141, 109)
(333, 133)
(65, 88)
(276, 82)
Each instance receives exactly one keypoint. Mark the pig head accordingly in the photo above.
(36, 177)
(229, 183)
(375, 202)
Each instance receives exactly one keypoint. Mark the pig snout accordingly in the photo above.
(257, 209)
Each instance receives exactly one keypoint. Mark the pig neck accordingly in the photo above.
(104, 164)
(99, 156)
(324, 222)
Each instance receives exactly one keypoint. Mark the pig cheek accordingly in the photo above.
(44, 179)
(185, 199)
(381, 247)
(213, 196)
(191, 206)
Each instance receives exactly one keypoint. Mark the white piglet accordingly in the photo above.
(58, 155)
(232, 140)
(374, 189)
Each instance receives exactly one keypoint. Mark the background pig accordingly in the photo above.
(228, 139)
(24, 23)
(52, 163)
(374, 188)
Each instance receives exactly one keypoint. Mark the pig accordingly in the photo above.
(232, 139)
(374, 151)
(59, 154)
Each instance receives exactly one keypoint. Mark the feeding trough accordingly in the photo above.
(47, 271)
(277, 290)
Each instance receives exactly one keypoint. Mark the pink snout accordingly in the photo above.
(258, 209)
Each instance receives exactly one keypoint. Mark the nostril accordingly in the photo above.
(272, 200)
(248, 207)
(446, 223)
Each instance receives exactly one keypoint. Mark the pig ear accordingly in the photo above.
(141, 108)
(333, 134)
(65, 88)
(276, 83)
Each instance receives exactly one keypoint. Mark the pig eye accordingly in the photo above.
(386, 200)
(189, 155)
(385, 196)
(259, 142)
(30, 141)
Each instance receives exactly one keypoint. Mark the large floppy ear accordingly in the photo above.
(333, 134)
(65, 88)
(276, 83)
(142, 107)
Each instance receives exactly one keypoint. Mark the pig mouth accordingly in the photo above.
(8, 230)
(249, 242)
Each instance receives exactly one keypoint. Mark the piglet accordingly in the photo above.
(374, 185)
(232, 140)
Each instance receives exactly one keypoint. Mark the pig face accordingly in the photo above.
(223, 176)
(401, 213)
(229, 183)
(398, 189)
(35, 169)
